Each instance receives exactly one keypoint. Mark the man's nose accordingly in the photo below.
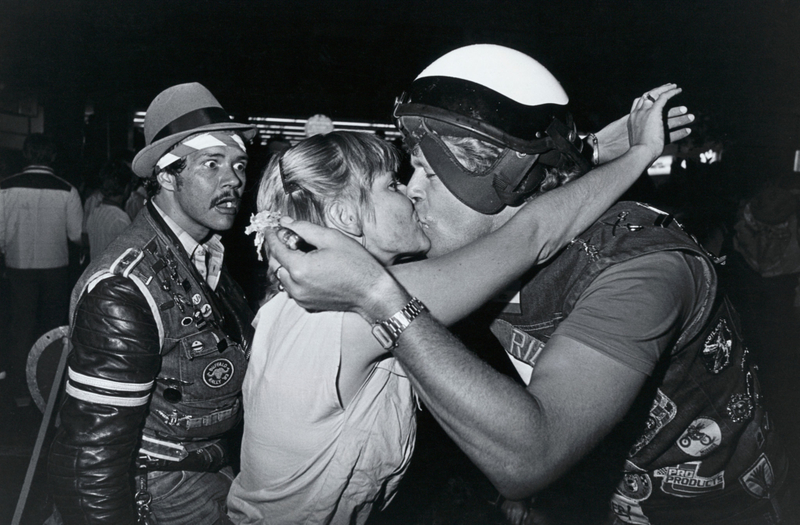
(414, 190)
(231, 178)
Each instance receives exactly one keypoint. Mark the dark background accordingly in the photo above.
(736, 60)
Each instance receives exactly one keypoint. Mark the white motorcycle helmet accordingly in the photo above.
(502, 97)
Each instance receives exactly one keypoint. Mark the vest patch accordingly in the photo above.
(717, 349)
(662, 412)
(628, 511)
(683, 481)
(635, 486)
(740, 407)
(701, 437)
(759, 479)
(218, 373)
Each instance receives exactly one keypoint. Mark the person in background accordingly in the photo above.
(136, 200)
(40, 214)
(631, 365)
(160, 335)
(108, 218)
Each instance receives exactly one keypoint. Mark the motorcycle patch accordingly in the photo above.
(683, 480)
(218, 373)
(717, 349)
(662, 412)
(701, 437)
(759, 479)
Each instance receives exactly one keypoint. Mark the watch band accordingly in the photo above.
(387, 332)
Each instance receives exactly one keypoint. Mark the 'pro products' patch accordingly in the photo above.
(684, 481)
(218, 373)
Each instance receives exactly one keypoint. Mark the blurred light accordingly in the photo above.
(661, 166)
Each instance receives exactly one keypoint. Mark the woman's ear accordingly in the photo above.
(343, 217)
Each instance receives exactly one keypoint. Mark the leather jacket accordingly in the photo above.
(154, 376)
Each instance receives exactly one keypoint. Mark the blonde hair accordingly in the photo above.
(305, 179)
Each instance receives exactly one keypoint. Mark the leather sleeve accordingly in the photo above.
(114, 360)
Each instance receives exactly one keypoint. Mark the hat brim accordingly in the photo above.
(145, 160)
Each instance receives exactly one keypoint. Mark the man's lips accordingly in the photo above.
(227, 204)
(419, 220)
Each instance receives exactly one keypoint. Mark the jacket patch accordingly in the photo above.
(701, 437)
(635, 486)
(628, 511)
(683, 480)
(717, 349)
(218, 373)
(759, 480)
(740, 407)
(662, 412)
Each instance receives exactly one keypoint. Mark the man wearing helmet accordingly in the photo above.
(630, 356)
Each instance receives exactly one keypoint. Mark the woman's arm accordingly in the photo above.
(456, 284)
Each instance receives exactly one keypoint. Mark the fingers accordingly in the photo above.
(676, 120)
(679, 134)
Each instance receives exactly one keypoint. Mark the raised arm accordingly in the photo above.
(456, 284)
(613, 140)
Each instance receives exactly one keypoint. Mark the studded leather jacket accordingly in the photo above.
(697, 446)
(154, 376)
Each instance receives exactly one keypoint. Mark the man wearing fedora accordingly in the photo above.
(160, 335)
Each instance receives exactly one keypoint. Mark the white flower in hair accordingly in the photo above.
(259, 222)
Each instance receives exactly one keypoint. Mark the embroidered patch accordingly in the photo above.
(740, 407)
(717, 349)
(635, 486)
(683, 481)
(662, 412)
(701, 437)
(218, 373)
(759, 479)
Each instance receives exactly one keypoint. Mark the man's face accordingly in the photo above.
(448, 222)
(207, 193)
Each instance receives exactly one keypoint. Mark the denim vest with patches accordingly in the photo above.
(697, 442)
(205, 336)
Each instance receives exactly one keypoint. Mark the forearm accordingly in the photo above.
(494, 420)
(456, 284)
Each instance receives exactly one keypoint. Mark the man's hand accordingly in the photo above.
(339, 275)
(613, 139)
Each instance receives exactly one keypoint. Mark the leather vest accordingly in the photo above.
(205, 337)
(697, 443)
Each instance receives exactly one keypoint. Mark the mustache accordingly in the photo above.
(226, 197)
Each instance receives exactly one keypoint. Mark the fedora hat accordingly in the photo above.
(176, 113)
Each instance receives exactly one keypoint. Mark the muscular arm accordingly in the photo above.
(114, 360)
(521, 438)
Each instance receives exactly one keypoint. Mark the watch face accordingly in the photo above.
(383, 336)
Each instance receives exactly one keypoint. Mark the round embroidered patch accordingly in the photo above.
(218, 373)
(636, 487)
(701, 437)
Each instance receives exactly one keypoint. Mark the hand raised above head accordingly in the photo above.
(646, 120)
(614, 139)
(338, 275)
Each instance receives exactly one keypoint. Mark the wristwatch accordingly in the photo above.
(387, 332)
